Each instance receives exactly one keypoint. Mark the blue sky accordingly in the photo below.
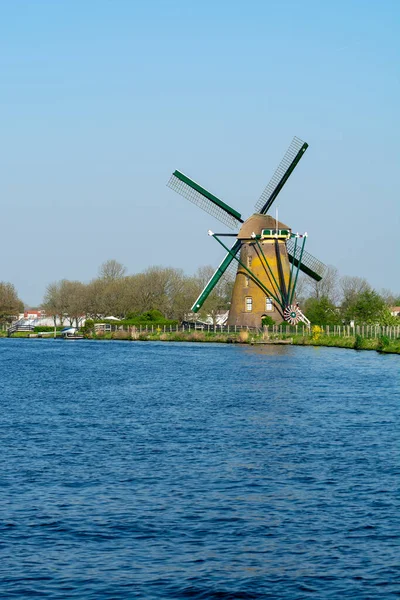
(102, 100)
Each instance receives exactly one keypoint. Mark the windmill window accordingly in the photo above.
(246, 281)
(249, 304)
(269, 305)
(249, 259)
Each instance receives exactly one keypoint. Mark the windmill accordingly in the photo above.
(267, 254)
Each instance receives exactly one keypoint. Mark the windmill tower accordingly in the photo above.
(266, 254)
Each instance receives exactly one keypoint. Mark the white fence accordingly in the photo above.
(365, 331)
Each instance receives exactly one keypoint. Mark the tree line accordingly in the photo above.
(333, 300)
(337, 300)
(114, 293)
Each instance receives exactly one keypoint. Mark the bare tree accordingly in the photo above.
(104, 297)
(219, 298)
(328, 287)
(10, 304)
(302, 288)
(112, 270)
(352, 286)
(183, 298)
(390, 298)
(93, 298)
(73, 295)
(53, 302)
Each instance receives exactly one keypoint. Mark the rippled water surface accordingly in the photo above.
(160, 470)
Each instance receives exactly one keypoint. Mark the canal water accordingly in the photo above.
(202, 471)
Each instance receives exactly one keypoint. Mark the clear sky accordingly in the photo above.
(102, 99)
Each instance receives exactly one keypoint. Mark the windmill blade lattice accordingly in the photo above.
(192, 191)
(310, 265)
(281, 175)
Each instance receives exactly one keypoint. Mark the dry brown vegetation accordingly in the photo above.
(244, 336)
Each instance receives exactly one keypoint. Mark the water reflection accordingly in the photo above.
(269, 349)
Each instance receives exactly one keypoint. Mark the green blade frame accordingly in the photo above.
(198, 195)
(216, 277)
(286, 167)
(310, 265)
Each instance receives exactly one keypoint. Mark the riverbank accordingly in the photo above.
(382, 344)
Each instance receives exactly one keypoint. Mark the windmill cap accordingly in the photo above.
(256, 223)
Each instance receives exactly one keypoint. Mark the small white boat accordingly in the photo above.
(70, 333)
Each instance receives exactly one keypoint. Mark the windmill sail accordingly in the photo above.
(192, 191)
(281, 175)
(223, 267)
(310, 265)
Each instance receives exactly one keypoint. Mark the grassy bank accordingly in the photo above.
(381, 344)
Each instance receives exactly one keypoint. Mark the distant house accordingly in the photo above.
(33, 313)
(395, 311)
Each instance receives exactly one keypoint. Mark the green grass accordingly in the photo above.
(357, 343)
(324, 340)
(21, 334)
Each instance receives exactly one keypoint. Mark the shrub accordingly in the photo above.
(196, 337)
(244, 336)
(383, 342)
(143, 337)
(148, 320)
(88, 327)
(358, 342)
(121, 335)
(267, 321)
(316, 332)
